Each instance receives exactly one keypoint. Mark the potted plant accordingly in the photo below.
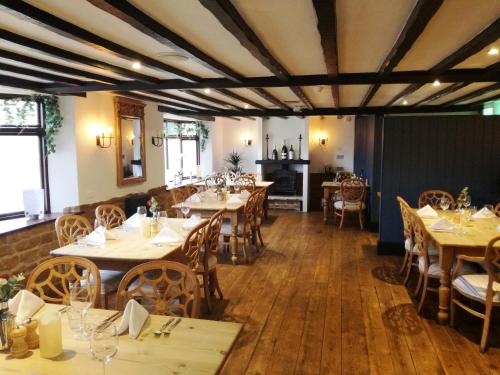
(9, 286)
(234, 159)
(178, 177)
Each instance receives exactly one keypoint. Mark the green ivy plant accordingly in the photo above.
(51, 111)
(203, 132)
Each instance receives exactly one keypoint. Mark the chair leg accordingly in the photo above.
(206, 291)
(409, 262)
(415, 293)
(341, 220)
(260, 237)
(424, 294)
(405, 263)
(486, 328)
(360, 216)
(215, 282)
(245, 247)
(453, 308)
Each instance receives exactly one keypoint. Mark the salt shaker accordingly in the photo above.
(32, 338)
(19, 347)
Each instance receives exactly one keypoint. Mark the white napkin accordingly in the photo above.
(24, 305)
(133, 221)
(498, 228)
(244, 194)
(165, 236)
(483, 213)
(133, 318)
(233, 199)
(195, 198)
(442, 225)
(99, 236)
(427, 212)
(190, 223)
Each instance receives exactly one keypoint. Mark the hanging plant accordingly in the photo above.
(203, 132)
(51, 112)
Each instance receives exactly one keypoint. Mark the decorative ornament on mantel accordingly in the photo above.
(300, 146)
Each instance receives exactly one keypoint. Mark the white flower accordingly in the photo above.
(20, 277)
(3, 282)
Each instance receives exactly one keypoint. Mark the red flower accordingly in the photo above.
(5, 276)
(149, 202)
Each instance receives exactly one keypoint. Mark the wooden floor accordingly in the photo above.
(320, 301)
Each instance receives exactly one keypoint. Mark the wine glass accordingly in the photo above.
(185, 209)
(104, 345)
(99, 223)
(142, 211)
(237, 189)
(74, 321)
(81, 300)
(444, 203)
(467, 201)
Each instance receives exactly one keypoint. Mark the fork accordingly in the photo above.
(158, 332)
(169, 330)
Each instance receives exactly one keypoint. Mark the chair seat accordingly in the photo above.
(434, 269)
(349, 206)
(212, 263)
(474, 286)
(109, 280)
(432, 251)
(408, 244)
(226, 228)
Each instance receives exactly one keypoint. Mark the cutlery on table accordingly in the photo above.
(64, 309)
(158, 332)
(110, 319)
(169, 330)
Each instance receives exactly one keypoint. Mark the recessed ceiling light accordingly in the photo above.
(172, 56)
(436, 83)
(493, 51)
(207, 91)
(136, 65)
(405, 102)
(247, 106)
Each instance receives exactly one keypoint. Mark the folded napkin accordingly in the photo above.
(483, 213)
(166, 235)
(442, 225)
(244, 194)
(427, 212)
(234, 199)
(190, 223)
(195, 198)
(24, 305)
(99, 236)
(133, 318)
(133, 221)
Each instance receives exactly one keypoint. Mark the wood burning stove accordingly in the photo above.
(285, 182)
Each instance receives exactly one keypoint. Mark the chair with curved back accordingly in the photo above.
(162, 287)
(244, 183)
(51, 279)
(179, 195)
(408, 236)
(111, 214)
(433, 198)
(191, 189)
(69, 227)
(259, 214)
(483, 288)
(343, 175)
(497, 209)
(213, 181)
(352, 196)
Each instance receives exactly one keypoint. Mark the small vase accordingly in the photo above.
(7, 324)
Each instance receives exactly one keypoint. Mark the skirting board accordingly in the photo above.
(390, 248)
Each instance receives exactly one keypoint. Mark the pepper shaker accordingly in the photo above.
(19, 347)
(32, 338)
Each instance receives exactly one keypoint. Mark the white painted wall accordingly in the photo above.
(340, 134)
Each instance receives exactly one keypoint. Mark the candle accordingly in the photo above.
(50, 334)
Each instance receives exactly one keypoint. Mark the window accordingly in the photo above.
(182, 148)
(22, 155)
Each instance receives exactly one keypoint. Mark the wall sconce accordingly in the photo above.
(102, 140)
(322, 140)
(248, 142)
(157, 141)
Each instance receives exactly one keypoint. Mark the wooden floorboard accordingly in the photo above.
(317, 300)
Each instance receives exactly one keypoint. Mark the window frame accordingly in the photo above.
(182, 138)
(31, 130)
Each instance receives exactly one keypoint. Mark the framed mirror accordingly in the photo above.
(130, 145)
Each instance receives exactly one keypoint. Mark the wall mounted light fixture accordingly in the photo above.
(157, 141)
(248, 142)
(103, 140)
(322, 140)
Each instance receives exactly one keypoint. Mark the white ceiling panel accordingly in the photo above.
(463, 91)
(385, 93)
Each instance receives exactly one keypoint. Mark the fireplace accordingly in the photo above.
(285, 182)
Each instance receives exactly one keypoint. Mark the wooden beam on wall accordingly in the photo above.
(232, 21)
(326, 14)
(420, 16)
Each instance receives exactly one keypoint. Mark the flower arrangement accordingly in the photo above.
(153, 205)
(9, 286)
(461, 197)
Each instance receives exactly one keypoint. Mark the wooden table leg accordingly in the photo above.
(445, 262)
(326, 201)
(234, 237)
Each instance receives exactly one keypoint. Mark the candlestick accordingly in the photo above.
(267, 146)
(19, 347)
(300, 146)
(32, 338)
(50, 334)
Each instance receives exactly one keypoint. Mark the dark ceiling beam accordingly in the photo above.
(185, 100)
(326, 111)
(484, 100)
(473, 94)
(73, 57)
(39, 74)
(21, 83)
(215, 100)
(130, 14)
(421, 77)
(230, 18)
(446, 91)
(46, 20)
(420, 16)
(158, 100)
(233, 95)
(326, 13)
(489, 35)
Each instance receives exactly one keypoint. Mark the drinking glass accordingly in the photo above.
(104, 345)
(99, 223)
(184, 209)
(142, 211)
(467, 201)
(444, 203)
(237, 189)
(81, 300)
(74, 321)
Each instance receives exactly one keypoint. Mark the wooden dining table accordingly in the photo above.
(194, 346)
(209, 206)
(473, 241)
(129, 248)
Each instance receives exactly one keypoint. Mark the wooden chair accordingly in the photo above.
(245, 229)
(259, 215)
(352, 196)
(245, 183)
(343, 175)
(483, 288)
(497, 209)
(68, 227)
(208, 267)
(51, 279)
(162, 287)
(433, 198)
(213, 181)
(191, 189)
(111, 214)
(179, 195)
(408, 236)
